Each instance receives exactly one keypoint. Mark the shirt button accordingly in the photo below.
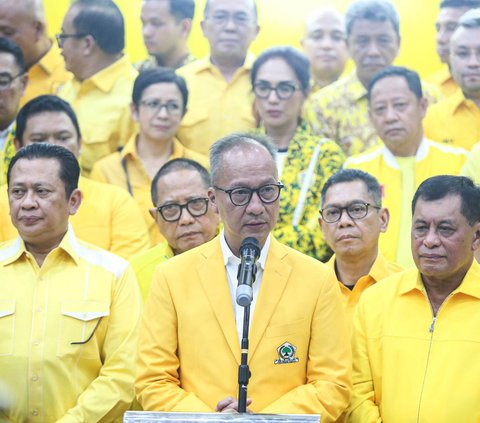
(39, 309)
(35, 412)
(35, 343)
(34, 378)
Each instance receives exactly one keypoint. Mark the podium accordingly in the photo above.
(157, 417)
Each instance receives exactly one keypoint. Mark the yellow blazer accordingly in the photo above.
(189, 349)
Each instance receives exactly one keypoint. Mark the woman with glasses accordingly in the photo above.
(159, 102)
(280, 80)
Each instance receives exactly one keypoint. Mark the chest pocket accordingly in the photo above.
(7, 326)
(81, 331)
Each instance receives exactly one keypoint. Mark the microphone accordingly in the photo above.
(249, 254)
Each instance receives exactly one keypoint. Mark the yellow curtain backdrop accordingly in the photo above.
(282, 23)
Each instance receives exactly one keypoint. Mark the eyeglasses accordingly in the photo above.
(6, 80)
(241, 196)
(172, 108)
(62, 37)
(239, 19)
(354, 210)
(284, 90)
(172, 212)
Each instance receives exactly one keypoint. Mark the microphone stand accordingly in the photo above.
(243, 370)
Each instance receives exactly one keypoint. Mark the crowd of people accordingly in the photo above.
(127, 190)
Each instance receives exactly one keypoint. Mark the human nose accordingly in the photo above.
(273, 96)
(373, 49)
(29, 200)
(474, 60)
(185, 217)
(431, 239)
(147, 30)
(255, 205)
(345, 219)
(442, 37)
(230, 23)
(390, 114)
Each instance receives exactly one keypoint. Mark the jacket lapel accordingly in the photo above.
(213, 278)
(274, 281)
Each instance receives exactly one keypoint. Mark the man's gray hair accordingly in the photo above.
(372, 10)
(470, 19)
(236, 140)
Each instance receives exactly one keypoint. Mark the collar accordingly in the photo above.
(421, 153)
(355, 87)
(205, 63)
(105, 79)
(130, 149)
(51, 59)
(458, 100)
(230, 258)
(378, 271)
(6, 131)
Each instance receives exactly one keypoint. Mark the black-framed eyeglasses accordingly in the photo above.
(62, 37)
(357, 210)
(172, 212)
(172, 108)
(241, 196)
(6, 80)
(284, 90)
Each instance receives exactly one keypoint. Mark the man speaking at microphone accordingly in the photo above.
(189, 347)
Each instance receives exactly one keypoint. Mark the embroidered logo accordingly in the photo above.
(286, 354)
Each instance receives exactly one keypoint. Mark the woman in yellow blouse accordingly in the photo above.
(159, 101)
(280, 81)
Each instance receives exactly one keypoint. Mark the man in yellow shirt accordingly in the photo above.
(416, 341)
(24, 22)
(352, 218)
(166, 26)
(340, 111)
(219, 85)
(325, 46)
(299, 352)
(397, 107)
(69, 311)
(456, 120)
(447, 21)
(182, 212)
(108, 217)
(100, 92)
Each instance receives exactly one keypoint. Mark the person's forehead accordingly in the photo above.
(446, 208)
(13, 13)
(160, 89)
(157, 7)
(451, 14)
(391, 86)
(369, 27)
(35, 171)
(346, 192)
(246, 6)
(49, 122)
(251, 157)
(325, 20)
(466, 37)
(179, 185)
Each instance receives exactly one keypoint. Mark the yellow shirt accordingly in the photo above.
(432, 159)
(381, 269)
(111, 170)
(68, 333)
(107, 218)
(46, 76)
(471, 168)
(144, 264)
(340, 112)
(102, 104)
(410, 367)
(215, 107)
(6, 155)
(444, 81)
(455, 120)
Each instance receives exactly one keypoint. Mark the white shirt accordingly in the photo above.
(280, 160)
(4, 135)
(231, 263)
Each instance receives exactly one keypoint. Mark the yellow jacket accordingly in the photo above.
(432, 159)
(110, 170)
(444, 81)
(454, 120)
(409, 367)
(189, 350)
(68, 333)
(108, 218)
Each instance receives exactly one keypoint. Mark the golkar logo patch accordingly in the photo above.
(286, 354)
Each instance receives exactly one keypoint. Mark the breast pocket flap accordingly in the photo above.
(85, 310)
(7, 308)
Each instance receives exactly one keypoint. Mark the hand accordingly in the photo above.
(230, 405)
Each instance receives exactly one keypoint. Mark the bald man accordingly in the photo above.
(325, 46)
(23, 21)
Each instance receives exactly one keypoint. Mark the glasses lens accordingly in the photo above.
(197, 207)
(262, 90)
(269, 193)
(173, 108)
(357, 210)
(240, 196)
(285, 91)
(170, 212)
(331, 214)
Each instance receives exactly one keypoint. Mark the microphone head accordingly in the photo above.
(252, 244)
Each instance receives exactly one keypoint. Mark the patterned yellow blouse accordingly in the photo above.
(6, 156)
(310, 161)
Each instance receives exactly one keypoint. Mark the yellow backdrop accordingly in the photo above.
(281, 22)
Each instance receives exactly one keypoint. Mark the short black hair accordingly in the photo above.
(69, 167)
(470, 19)
(103, 20)
(294, 58)
(352, 175)
(255, 9)
(460, 4)
(173, 166)
(372, 10)
(44, 104)
(10, 47)
(411, 77)
(441, 186)
(182, 9)
(157, 76)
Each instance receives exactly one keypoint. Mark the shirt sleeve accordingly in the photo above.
(111, 392)
(158, 381)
